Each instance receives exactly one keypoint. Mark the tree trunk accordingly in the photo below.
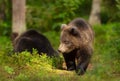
(95, 12)
(18, 17)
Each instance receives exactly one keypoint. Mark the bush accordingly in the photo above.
(49, 15)
(107, 46)
(110, 13)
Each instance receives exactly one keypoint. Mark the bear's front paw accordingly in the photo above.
(71, 68)
(80, 71)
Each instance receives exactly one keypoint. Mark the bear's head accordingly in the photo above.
(69, 39)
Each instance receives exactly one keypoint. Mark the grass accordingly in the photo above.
(104, 65)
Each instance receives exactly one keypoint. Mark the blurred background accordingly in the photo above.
(48, 15)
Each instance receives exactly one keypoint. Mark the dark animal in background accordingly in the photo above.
(76, 45)
(33, 39)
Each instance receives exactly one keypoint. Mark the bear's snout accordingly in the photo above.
(62, 48)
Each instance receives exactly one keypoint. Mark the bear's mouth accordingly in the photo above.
(67, 51)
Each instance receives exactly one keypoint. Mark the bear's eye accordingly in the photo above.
(66, 42)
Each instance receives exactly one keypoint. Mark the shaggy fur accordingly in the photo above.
(33, 39)
(76, 44)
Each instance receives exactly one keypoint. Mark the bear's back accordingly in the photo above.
(33, 39)
(80, 23)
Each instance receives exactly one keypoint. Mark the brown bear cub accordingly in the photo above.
(76, 45)
(33, 39)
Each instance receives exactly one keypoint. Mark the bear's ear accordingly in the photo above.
(74, 31)
(63, 26)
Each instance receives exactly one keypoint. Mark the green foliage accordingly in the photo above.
(4, 28)
(9, 69)
(35, 60)
(110, 13)
(22, 77)
(107, 46)
(5, 17)
(49, 15)
(54, 38)
(22, 66)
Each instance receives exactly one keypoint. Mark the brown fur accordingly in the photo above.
(76, 43)
(33, 39)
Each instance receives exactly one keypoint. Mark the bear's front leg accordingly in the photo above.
(82, 65)
(70, 62)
